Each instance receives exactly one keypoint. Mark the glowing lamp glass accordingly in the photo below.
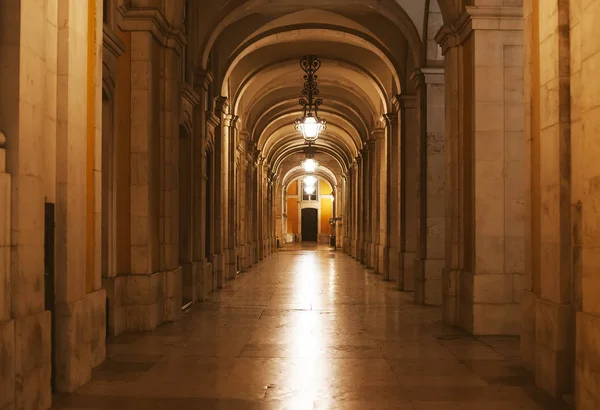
(309, 189)
(310, 165)
(310, 181)
(310, 127)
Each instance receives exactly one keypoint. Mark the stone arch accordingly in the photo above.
(233, 12)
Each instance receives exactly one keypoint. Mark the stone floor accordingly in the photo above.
(309, 328)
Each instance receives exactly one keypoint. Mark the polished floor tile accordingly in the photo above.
(310, 328)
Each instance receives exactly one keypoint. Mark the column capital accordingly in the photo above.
(230, 120)
(203, 78)
(222, 104)
(427, 75)
(390, 117)
(376, 134)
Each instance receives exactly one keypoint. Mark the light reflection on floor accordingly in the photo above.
(309, 328)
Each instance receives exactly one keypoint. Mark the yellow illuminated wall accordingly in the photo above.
(293, 188)
(326, 206)
(292, 215)
(292, 208)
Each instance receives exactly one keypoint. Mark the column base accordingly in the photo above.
(450, 297)
(394, 266)
(428, 281)
(364, 254)
(203, 279)
(219, 270)
(80, 335)
(587, 394)
(25, 381)
(527, 339)
(375, 257)
(408, 271)
(482, 312)
(189, 284)
(244, 258)
(383, 258)
(555, 347)
(231, 266)
(142, 302)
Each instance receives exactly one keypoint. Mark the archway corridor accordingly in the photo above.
(164, 225)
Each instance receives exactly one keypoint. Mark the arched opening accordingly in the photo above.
(310, 227)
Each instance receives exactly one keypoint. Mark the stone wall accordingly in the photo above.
(560, 316)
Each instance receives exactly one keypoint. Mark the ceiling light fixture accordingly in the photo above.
(309, 184)
(310, 164)
(310, 125)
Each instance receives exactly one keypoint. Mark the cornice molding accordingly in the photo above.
(479, 18)
(427, 75)
(153, 21)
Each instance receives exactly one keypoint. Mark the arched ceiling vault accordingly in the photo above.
(297, 172)
(265, 80)
(287, 149)
(380, 17)
(366, 47)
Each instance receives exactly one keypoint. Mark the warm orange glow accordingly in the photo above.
(293, 188)
(90, 144)
(292, 215)
(326, 214)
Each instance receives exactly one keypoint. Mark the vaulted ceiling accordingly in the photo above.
(368, 49)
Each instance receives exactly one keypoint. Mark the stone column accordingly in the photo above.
(221, 208)
(409, 137)
(560, 218)
(242, 203)
(260, 185)
(75, 308)
(365, 209)
(358, 201)
(201, 273)
(232, 200)
(25, 324)
(430, 257)
(169, 186)
(393, 200)
(585, 214)
(379, 203)
(486, 89)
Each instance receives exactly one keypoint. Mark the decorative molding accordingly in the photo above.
(222, 105)
(153, 21)
(407, 101)
(479, 18)
(203, 78)
(376, 134)
(112, 43)
(213, 119)
(187, 92)
(428, 75)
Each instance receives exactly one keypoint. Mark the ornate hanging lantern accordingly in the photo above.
(310, 125)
